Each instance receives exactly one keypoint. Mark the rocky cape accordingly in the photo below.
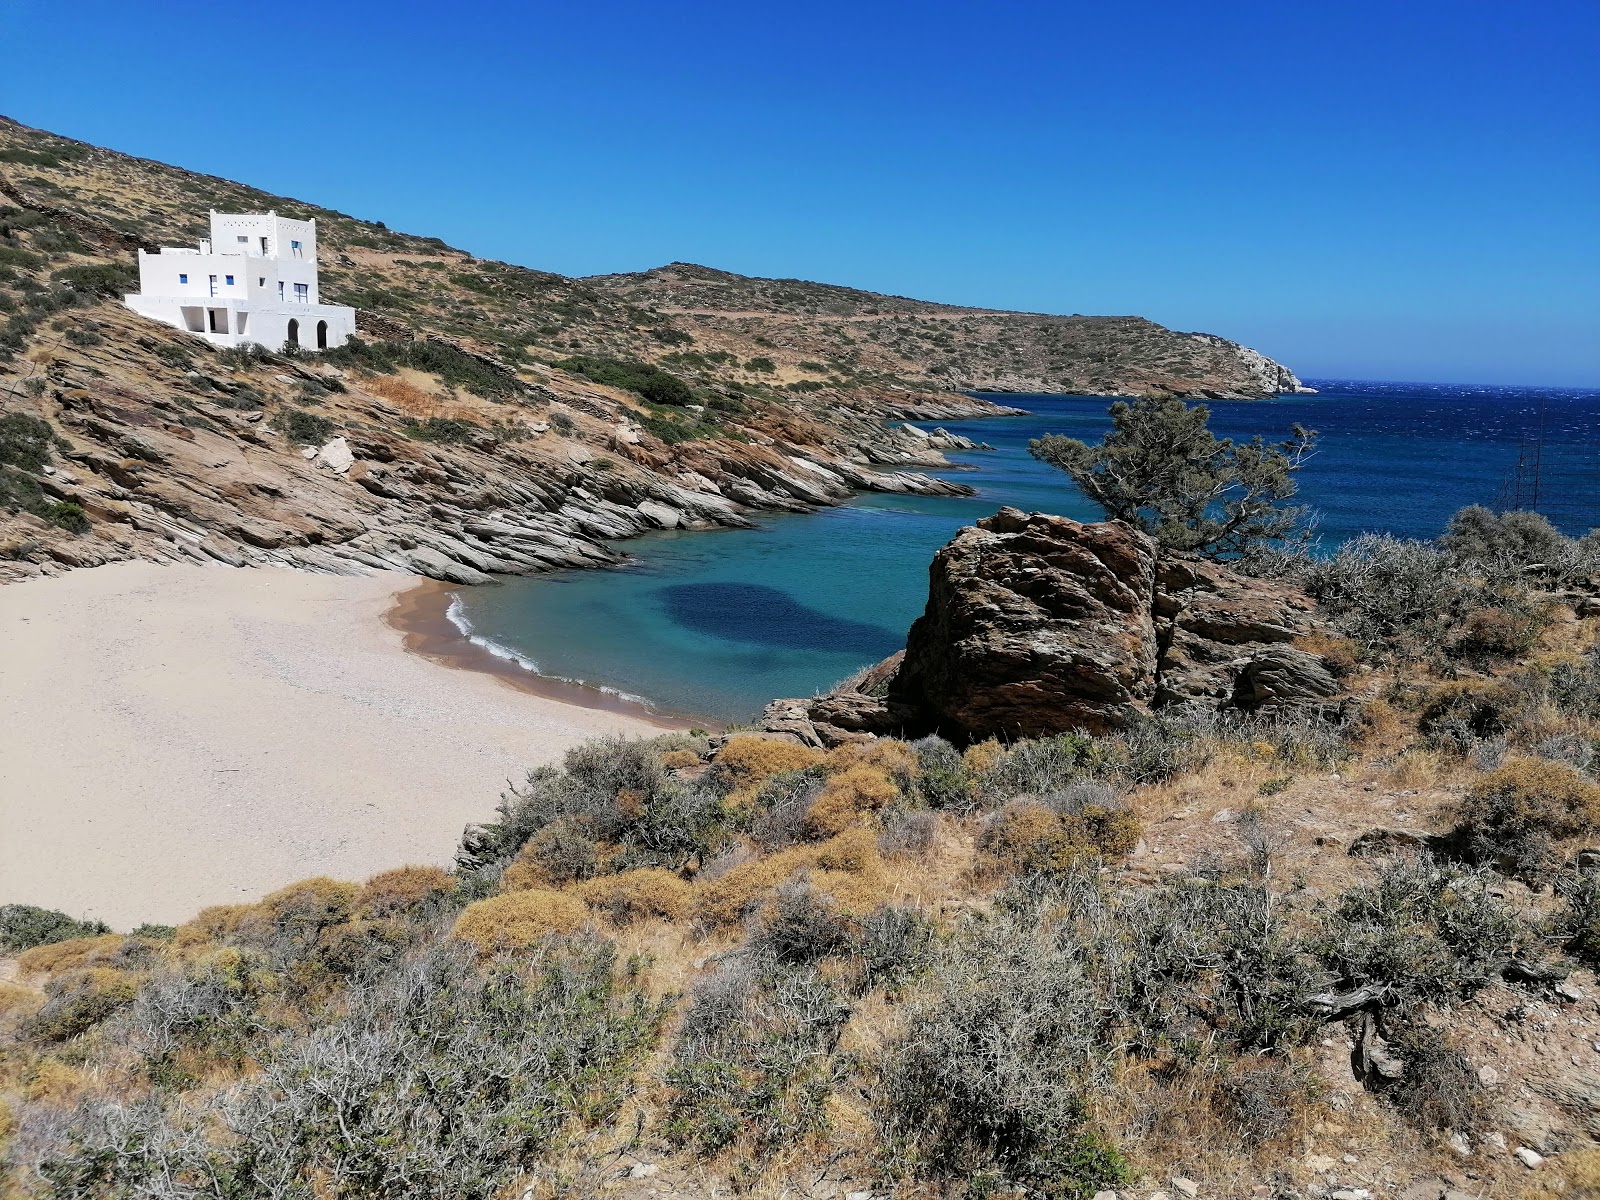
(1039, 625)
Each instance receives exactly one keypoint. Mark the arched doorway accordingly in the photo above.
(322, 335)
(294, 331)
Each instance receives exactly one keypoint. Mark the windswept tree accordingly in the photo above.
(1162, 470)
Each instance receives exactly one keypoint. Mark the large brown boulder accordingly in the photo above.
(1037, 625)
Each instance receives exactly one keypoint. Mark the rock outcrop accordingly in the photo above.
(1038, 625)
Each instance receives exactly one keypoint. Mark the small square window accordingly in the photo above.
(262, 281)
(230, 280)
(243, 238)
(183, 278)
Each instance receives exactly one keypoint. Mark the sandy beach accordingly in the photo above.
(173, 737)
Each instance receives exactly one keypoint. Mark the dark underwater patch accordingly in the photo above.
(768, 616)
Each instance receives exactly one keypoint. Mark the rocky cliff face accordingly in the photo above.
(1038, 625)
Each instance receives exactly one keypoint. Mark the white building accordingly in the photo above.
(253, 280)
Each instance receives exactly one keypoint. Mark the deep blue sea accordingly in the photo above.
(715, 624)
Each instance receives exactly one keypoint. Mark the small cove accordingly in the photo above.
(714, 624)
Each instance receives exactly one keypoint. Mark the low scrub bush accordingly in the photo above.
(614, 792)
(448, 361)
(78, 1000)
(1049, 837)
(779, 810)
(302, 427)
(1439, 1089)
(1422, 931)
(447, 430)
(849, 797)
(912, 833)
(747, 761)
(1488, 635)
(25, 441)
(558, 854)
(1264, 1099)
(991, 1074)
(517, 920)
(654, 384)
(1512, 817)
(847, 868)
(637, 895)
(111, 280)
(1576, 924)
(54, 957)
(943, 780)
(411, 893)
(753, 1066)
(23, 926)
(446, 1080)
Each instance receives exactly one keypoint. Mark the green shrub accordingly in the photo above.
(68, 516)
(654, 384)
(992, 1072)
(1423, 931)
(78, 1000)
(25, 441)
(302, 427)
(610, 790)
(753, 1065)
(23, 926)
(111, 280)
(442, 429)
(1511, 542)
(446, 360)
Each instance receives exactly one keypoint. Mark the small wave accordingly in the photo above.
(457, 616)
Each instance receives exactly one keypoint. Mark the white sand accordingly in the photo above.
(173, 737)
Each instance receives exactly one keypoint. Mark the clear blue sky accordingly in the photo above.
(1378, 190)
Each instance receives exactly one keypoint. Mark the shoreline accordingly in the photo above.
(421, 615)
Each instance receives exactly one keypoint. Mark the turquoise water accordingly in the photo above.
(716, 624)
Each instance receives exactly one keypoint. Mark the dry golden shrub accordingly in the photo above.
(637, 895)
(308, 903)
(1341, 654)
(1025, 836)
(413, 400)
(1533, 793)
(847, 867)
(747, 761)
(52, 1081)
(847, 797)
(677, 760)
(518, 919)
(403, 891)
(891, 756)
(213, 924)
(982, 756)
(18, 1001)
(8, 1125)
(69, 955)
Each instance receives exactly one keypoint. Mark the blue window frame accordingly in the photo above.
(183, 278)
(230, 280)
